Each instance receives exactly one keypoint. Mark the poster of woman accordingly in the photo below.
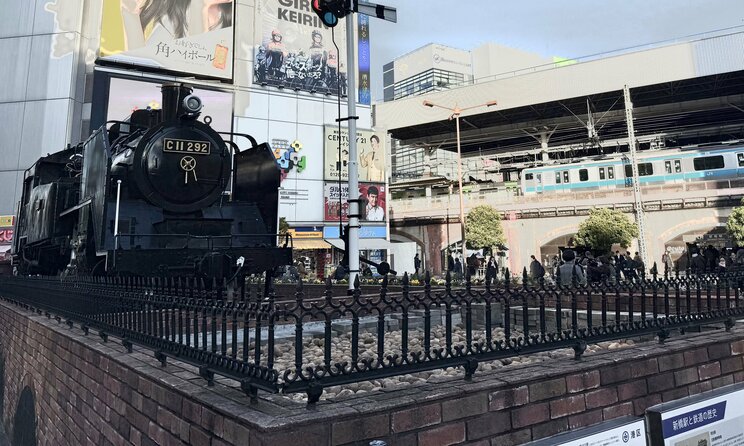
(187, 36)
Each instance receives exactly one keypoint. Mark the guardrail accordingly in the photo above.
(300, 346)
(555, 210)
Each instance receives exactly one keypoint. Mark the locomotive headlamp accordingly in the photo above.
(192, 104)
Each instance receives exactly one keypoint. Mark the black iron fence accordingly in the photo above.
(306, 345)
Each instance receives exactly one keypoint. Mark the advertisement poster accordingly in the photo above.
(713, 418)
(365, 81)
(373, 194)
(296, 50)
(6, 237)
(371, 149)
(186, 36)
(127, 95)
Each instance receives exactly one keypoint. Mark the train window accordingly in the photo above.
(557, 178)
(601, 173)
(708, 162)
(677, 166)
(539, 178)
(668, 166)
(583, 175)
(740, 159)
(565, 176)
(528, 176)
(611, 173)
(644, 169)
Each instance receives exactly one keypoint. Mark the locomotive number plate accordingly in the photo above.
(186, 146)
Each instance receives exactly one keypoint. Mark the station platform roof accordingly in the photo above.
(697, 86)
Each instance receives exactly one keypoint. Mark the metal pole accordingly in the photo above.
(116, 218)
(640, 217)
(353, 248)
(459, 183)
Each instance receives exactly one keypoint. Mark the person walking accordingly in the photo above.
(537, 271)
(491, 271)
(458, 268)
(666, 259)
(416, 263)
(570, 268)
(640, 267)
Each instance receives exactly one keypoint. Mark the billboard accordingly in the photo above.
(6, 237)
(126, 95)
(373, 210)
(296, 50)
(186, 36)
(371, 150)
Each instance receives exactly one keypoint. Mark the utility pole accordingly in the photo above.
(330, 11)
(354, 205)
(639, 213)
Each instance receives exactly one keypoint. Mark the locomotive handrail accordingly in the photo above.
(254, 143)
(208, 238)
(114, 121)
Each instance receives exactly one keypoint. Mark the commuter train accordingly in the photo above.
(654, 168)
(158, 194)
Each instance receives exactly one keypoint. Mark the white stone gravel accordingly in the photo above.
(313, 351)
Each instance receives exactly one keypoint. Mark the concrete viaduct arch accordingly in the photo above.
(528, 236)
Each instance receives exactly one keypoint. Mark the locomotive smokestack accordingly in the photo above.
(173, 96)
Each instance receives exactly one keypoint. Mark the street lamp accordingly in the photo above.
(456, 111)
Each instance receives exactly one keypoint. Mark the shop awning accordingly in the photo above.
(310, 243)
(364, 243)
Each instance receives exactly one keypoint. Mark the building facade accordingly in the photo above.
(267, 68)
(685, 96)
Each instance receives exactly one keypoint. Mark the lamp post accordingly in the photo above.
(456, 111)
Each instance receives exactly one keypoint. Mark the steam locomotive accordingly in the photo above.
(159, 193)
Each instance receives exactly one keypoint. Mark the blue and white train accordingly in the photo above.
(654, 168)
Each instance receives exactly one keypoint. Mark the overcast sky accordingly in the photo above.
(566, 28)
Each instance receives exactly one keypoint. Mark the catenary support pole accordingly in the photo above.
(640, 217)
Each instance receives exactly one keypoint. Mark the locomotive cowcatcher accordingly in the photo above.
(158, 194)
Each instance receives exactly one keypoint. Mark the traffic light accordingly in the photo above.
(330, 11)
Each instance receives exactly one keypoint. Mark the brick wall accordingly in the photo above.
(90, 392)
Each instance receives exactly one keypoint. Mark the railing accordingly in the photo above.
(662, 197)
(297, 345)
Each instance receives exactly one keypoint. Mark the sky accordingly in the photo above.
(565, 28)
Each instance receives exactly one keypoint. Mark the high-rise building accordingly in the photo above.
(436, 67)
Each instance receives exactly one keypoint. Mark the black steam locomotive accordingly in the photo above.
(157, 194)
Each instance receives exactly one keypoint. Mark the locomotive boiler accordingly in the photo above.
(159, 193)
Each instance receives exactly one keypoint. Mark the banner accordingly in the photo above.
(373, 194)
(296, 49)
(371, 149)
(187, 36)
(365, 82)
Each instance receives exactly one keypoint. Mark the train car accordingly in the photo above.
(159, 193)
(657, 167)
